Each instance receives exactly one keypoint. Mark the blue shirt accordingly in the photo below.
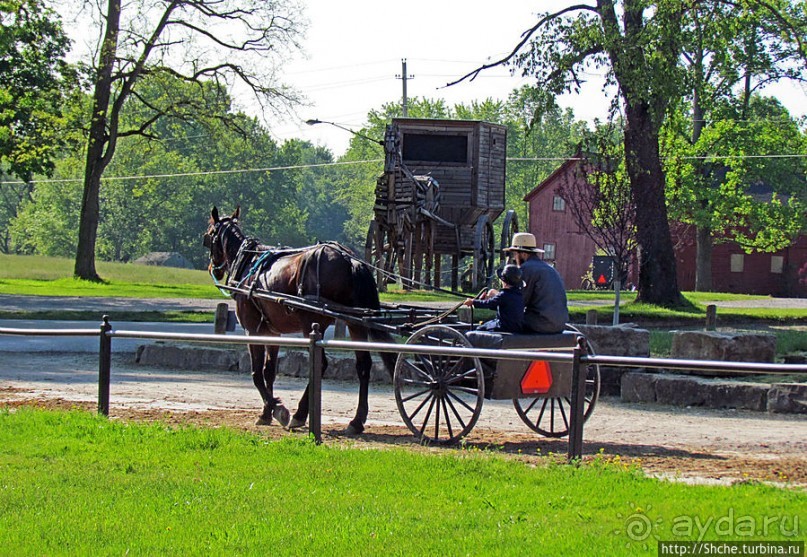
(509, 306)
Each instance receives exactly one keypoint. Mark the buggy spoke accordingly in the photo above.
(428, 414)
(421, 405)
(454, 411)
(447, 418)
(563, 414)
(457, 378)
(415, 395)
(458, 399)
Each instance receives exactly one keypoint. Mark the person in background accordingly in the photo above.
(508, 303)
(545, 306)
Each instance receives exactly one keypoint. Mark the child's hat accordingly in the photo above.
(510, 274)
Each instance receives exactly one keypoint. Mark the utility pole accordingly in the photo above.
(404, 77)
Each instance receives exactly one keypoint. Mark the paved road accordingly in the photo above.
(105, 305)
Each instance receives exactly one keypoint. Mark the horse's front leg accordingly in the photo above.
(264, 369)
(276, 408)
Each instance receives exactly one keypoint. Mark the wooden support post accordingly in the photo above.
(104, 367)
(315, 360)
(437, 270)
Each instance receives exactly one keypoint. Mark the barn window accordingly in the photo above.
(737, 262)
(549, 252)
(558, 203)
(777, 264)
(435, 148)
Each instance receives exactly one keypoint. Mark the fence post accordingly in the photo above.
(316, 356)
(591, 317)
(578, 397)
(220, 318)
(617, 292)
(104, 366)
(711, 317)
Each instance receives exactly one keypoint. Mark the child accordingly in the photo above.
(508, 303)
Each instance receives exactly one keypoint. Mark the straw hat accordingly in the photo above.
(524, 241)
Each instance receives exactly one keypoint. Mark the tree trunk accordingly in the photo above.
(703, 260)
(658, 283)
(99, 149)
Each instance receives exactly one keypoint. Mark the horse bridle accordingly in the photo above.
(231, 268)
(209, 240)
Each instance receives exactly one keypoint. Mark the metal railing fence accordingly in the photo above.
(316, 347)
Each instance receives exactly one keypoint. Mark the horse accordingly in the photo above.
(327, 272)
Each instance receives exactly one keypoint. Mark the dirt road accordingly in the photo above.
(720, 445)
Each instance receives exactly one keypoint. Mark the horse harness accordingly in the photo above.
(246, 258)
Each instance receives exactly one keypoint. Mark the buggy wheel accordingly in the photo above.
(551, 416)
(484, 253)
(509, 228)
(439, 397)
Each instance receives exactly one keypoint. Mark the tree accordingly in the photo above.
(599, 197)
(640, 44)
(730, 53)
(207, 43)
(742, 181)
(537, 141)
(35, 82)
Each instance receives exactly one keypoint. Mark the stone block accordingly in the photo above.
(739, 395)
(679, 391)
(727, 347)
(621, 340)
(187, 357)
(638, 387)
(788, 398)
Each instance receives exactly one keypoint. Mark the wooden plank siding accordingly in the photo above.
(474, 188)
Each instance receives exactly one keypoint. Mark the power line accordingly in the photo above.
(201, 173)
(367, 161)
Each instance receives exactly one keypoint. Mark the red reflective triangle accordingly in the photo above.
(601, 279)
(537, 379)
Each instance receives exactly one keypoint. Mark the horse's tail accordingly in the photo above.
(365, 294)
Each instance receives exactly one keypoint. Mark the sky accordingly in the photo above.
(354, 50)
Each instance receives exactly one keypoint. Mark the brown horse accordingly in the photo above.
(325, 272)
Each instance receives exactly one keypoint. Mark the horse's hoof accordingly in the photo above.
(295, 423)
(264, 421)
(281, 414)
(353, 430)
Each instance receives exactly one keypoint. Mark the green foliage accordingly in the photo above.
(74, 483)
(35, 81)
(734, 180)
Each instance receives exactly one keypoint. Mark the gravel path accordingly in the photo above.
(718, 445)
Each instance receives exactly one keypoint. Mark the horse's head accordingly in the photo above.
(219, 240)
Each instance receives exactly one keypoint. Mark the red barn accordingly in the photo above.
(783, 273)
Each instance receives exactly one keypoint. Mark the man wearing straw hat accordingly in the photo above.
(545, 309)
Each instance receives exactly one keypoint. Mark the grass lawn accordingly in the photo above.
(73, 483)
